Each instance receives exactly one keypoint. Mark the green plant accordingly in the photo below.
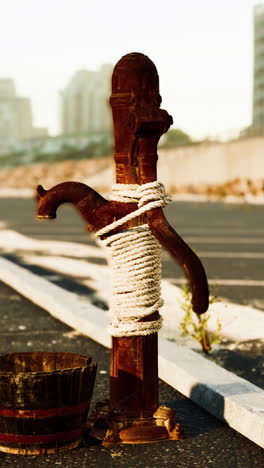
(176, 137)
(196, 326)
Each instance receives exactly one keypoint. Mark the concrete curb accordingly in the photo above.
(61, 304)
(226, 396)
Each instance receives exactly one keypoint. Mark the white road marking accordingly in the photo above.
(224, 240)
(222, 230)
(246, 255)
(226, 282)
(224, 254)
(11, 241)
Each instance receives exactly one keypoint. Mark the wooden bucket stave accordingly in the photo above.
(44, 401)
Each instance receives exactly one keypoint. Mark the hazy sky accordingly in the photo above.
(202, 49)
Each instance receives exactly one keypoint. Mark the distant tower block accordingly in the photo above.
(15, 116)
(84, 102)
(258, 100)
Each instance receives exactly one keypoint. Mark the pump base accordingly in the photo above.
(113, 428)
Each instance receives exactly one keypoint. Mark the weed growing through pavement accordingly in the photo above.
(196, 326)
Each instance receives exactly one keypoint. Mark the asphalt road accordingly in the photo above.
(227, 237)
(208, 443)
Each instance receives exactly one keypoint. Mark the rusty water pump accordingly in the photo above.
(133, 414)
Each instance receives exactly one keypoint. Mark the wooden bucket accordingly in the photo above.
(44, 401)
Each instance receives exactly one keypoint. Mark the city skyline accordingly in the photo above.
(203, 53)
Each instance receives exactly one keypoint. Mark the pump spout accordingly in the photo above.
(85, 199)
(95, 209)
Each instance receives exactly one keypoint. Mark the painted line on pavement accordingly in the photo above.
(224, 254)
(11, 241)
(226, 396)
(246, 255)
(231, 230)
(226, 282)
(224, 240)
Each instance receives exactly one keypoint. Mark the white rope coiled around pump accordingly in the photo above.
(136, 263)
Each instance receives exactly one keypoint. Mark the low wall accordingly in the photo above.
(191, 168)
(212, 163)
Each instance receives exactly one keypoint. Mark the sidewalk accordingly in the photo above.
(208, 443)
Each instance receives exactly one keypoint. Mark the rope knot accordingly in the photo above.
(152, 192)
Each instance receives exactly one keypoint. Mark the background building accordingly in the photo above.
(258, 99)
(85, 102)
(15, 118)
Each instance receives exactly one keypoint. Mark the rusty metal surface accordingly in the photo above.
(138, 124)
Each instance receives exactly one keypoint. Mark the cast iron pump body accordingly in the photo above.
(138, 125)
